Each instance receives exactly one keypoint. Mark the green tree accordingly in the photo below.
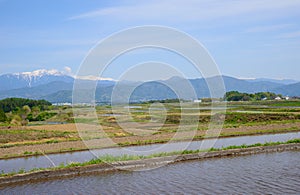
(35, 111)
(237, 96)
(16, 120)
(3, 117)
(11, 104)
(24, 113)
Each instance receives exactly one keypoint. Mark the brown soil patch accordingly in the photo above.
(59, 127)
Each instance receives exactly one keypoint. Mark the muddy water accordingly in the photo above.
(56, 159)
(269, 173)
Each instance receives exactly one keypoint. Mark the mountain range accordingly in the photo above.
(32, 79)
(57, 87)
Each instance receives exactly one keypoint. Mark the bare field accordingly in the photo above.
(59, 127)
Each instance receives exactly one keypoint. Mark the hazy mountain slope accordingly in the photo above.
(59, 97)
(233, 84)
(280, 81)
(38, 91)
(288, 90)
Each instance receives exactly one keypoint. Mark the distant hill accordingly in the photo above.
(63, 96)
(37, 91)
(57, 87)
(233, 84)
(280, 81)
(288, 90)
(157, 90)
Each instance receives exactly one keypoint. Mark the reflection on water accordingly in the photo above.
(132, 107)
(110, 115)
(82, 156)
(270, 173)
(47, 123)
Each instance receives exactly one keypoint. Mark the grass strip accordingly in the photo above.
(111, 159)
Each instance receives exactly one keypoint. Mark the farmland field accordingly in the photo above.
(145, 123)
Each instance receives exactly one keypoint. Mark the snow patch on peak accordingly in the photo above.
(34, 76)
(40, 73)
(44, 75)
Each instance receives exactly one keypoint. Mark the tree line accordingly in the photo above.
(12, 104)
(19, 111)
(237, 96)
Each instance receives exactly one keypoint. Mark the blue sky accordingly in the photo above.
(247, 39)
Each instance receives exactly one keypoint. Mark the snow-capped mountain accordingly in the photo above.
(32, 79)
(40, 73)
(43, 77)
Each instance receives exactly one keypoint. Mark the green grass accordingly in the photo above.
(244, 118)
(29, 143)
(285, 103)
(12, 135)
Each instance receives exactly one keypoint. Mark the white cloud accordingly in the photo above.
(68, 71)
(177, 10)
(289, 35)
(268, 28)
(93, 78)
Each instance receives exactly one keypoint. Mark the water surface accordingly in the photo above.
(269, 173)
